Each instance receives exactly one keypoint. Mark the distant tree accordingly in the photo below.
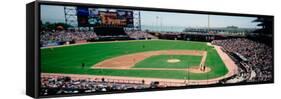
(266, 25)
(64, 25)
(53, 26)
(146, 30)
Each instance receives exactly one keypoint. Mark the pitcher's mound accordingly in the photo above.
(173, 60)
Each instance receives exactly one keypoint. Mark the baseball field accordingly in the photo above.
(165, 59)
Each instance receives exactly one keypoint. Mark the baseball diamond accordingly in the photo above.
(140, 59)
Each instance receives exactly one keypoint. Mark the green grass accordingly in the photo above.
(68, 59)
(160, 61)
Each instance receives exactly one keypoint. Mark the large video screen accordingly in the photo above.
(102, 49)
(95, 16)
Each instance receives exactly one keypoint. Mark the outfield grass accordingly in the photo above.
(68, 59)
(160, 61)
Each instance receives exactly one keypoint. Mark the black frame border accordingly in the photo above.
(37, 44)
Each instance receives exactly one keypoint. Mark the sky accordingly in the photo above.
(194, 20)
(53, 14)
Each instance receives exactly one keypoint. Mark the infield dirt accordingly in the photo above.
(128, 61)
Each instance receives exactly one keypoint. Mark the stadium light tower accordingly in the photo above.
(156, 23)
(139, 25)
(71, 16)
(208, 23)
(161, 23)
(137, 20)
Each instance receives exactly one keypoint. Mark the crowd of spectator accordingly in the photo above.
(259, 56)
(66, 85)
(140, 35)
(65, 36)
(77, 35)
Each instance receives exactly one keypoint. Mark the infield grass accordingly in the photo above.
(160, 61)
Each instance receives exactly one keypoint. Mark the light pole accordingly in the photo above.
(207, 77)
(161, 23)
(208, 23)
(156, 21)
(187, 74)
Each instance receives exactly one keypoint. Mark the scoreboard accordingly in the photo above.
(100, 16)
